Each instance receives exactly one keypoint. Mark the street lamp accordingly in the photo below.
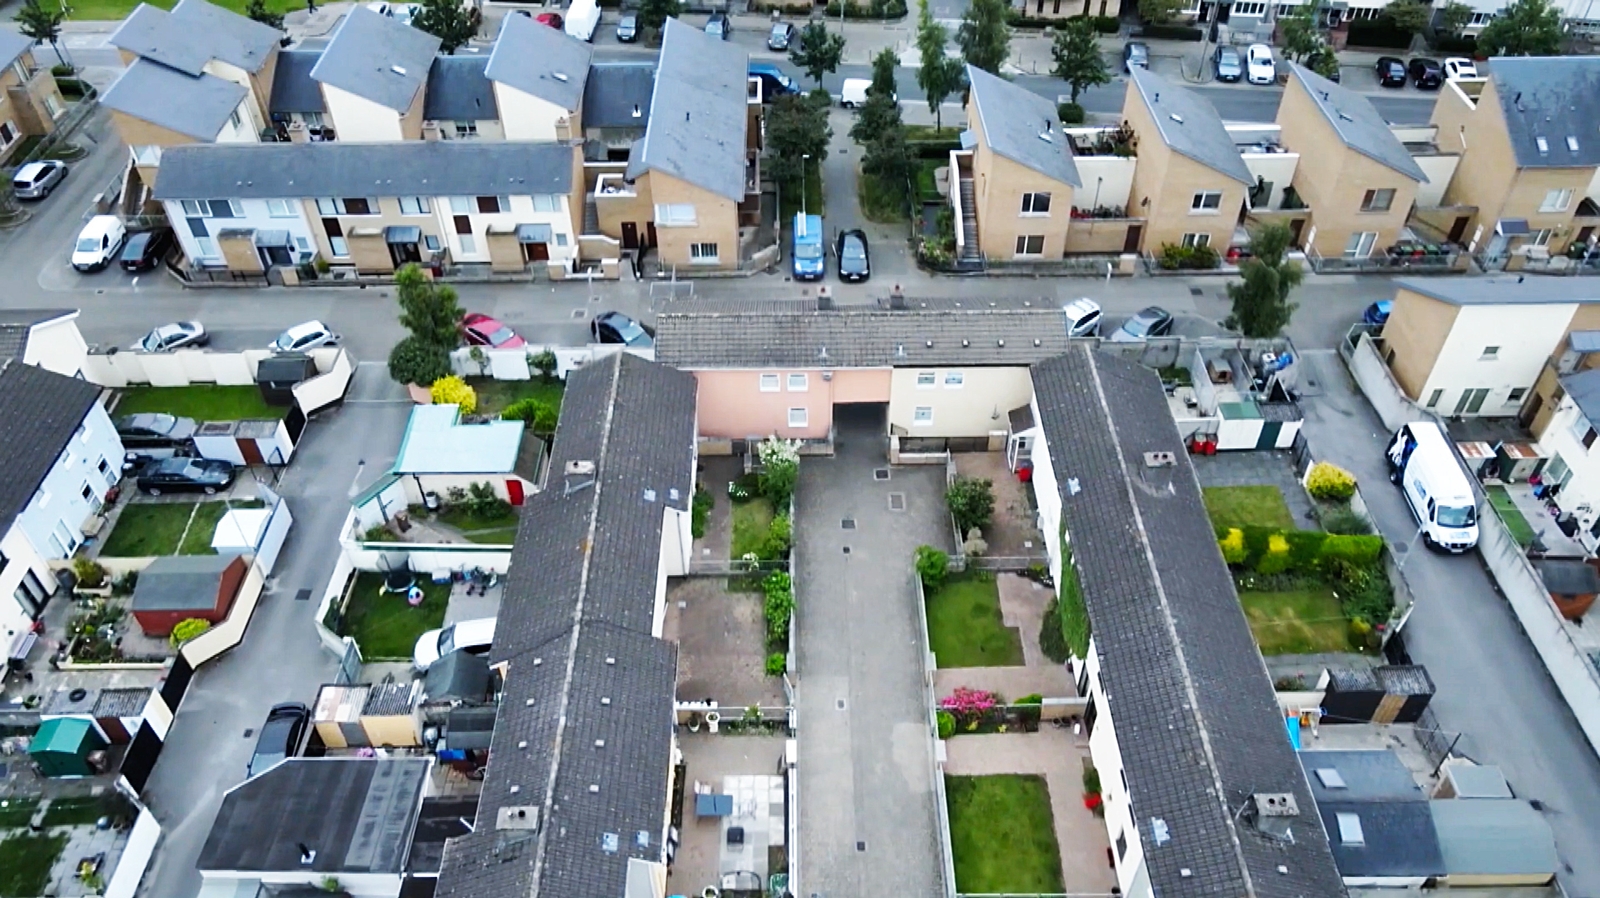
(805, 163)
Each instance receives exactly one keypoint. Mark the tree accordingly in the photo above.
(653, 14)
(883, 66)
(888, 159)
(1525, 28)
(818, 52)
(447, 20)
(1261, 306)
(1160, 12)
(43, 25)
(1300, 35)
(1409, 15)
(940, 74)
(881, 112)
(413, 361)
(797, 126)
(257, 10)
(1453, 17)
(1078, 59)
(428, 309)
(984, 36)
(1323, 61)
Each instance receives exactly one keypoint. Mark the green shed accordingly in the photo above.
(62, 746)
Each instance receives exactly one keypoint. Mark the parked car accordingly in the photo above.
(780, 36)
(35, 180)
(1259, 65)
(155, 435)
(172, 336)
(1152, 321)
(1391, 72)
(615, 327)
(1426, 74)
(1377, 314)
(280, 737)
(1083, 317)
(1135, 54)
(1459, 67)
(145, 249)
(628, 27)
(481, 330)
(1229, 65)
(303, 337)
(774, 82)
(471, 636)
(553, 19)
(719, 26)
(406, 13)
(853, 92)
(855, 260)
(98, 243)
(186, 475)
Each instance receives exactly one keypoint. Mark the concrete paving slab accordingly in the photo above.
(721, 639)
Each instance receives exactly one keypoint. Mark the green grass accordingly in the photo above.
(202, 402)
(1510, 515)
(965, 627)
(1296, 623)
(25, 862)
(790, 197)
(928, 132)
(149, 528)
(495, 395)
(1003, 835)
(385, 626)
(880, 203)
(926, 181)
(204, 526)
(108, 10)
(1238, 506)
(500, 536)
(459, 518)
(17, 812)
(752, 521)
(76, 811)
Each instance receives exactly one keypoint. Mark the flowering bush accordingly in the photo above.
(969, 705)
(187, 629)
(780, 468)
(1330, 483)
(453, 390)
(1276, 559)
(1232, 545)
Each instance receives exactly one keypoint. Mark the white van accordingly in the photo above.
(582, 19)
(853, 92)
(1424, 466)
(98, 243)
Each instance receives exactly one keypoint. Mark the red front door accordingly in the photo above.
(514, 490)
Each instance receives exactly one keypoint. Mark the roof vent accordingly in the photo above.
(900, 350)
(1159, 832)
(559, 76)
(517, 817)
(1344, 117)
(398, 69)
(594, 788)
(522, 743)
(649, 495)
(673, 494)
(1160, 459)
(605, 701)
(966, 343)
(609, 842)
(637, 112)
(576, 468)
(1176, 117)
(599, 743)
(929, 344)
(1330, 778)
(1276, 804)
(611, 660)
(822, 353)
(1045, 134)
(1350, 829)
(1544, 146)
(1572, 144)
(1037, 342)
(1000, 343)
(307, 854)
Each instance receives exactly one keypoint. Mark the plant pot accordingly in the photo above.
(420, 395)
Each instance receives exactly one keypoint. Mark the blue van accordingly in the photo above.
(810, 263)
(774, 83)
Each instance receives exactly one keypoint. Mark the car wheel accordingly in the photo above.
(210, 491)
(153, 491)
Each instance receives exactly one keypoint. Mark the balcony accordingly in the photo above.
(612, 185)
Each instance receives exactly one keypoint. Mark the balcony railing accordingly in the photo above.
(610, 185)
(1398, 258)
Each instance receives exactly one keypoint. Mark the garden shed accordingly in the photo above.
(176, 588)
(62, 747)
(277, 376)
(1391, 694)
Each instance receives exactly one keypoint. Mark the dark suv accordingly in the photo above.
(1426, 74)
(280, 737)
(1391, 72)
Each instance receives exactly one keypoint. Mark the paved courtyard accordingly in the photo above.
(699, 861)
(721, 639)
(1012, 533)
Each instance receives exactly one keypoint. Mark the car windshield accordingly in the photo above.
(88, 244)
(447, 640)
(500, 336)
(780, 30)
(284, 342)
(193, 471)
(158, 422)
(631, 331)
(808, 251)
(154, 340)
(1453, 516)
(853, 249)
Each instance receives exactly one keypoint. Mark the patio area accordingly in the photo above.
(1527, 518)
(1012, 533)
(745, 769)
(721, 637)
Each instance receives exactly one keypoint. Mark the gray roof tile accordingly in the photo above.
(1014, 118)
(614, 91)
(377, 58)
(1197, 722)
(1189, 124)
(293, 88)
(1358, 124)
(150, 32)
(458, 91)
(194, 33)
(13, 43)
(1515, 290)
(42, 411)
(860, 338)
(1397, 839)
(540, 61)
(194, 106)
(696, 131)
(1553, 98)
(340, 168)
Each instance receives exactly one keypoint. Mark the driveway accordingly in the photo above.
(1491, 683)
(867, 817)
(281, 658)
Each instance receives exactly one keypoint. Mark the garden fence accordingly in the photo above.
(930, 665)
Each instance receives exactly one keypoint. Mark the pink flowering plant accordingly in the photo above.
(970, 706)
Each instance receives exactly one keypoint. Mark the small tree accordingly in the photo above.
(43, 25)
(1525, 28)
(1409, 15)
(1160, 12)
(933, 566)
(1077, 57)
(187, 629)
(258, 10)
(428, 309)
(452, 390)
(1261, 306)
(797, 126)
(1451, 18)
(448, 20)
(1300, 34)
(780, 469)
(818, 52)
(883, 81)
(415, 361)
(940, 74)
(888, 159)
(971, 501)
(653, 14)
(881, 112)
(544, 363)
(984, 36)
(538, 414)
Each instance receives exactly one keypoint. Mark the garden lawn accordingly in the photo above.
(17, 812)
(145, 529)
(460, 519)
(75, 811)
(1510, 515)
(385, 626)
(1296, 623)
(751, 522)
(879, 203)
(204, 526)
(1241, 506)
(25, 862)
(495, 395)
(202, 402)
(503, 536)
(965, 628)
(1003, 835)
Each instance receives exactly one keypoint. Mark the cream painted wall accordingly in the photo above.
(975, 407)
(1439, 169)
(732, 404)
(526, 117)
(57, 346)
(522, 212)
(1519, 357)
(359, 119)
(1112, 175)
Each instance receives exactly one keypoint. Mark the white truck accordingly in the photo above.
(1423, 465)
(582, 19)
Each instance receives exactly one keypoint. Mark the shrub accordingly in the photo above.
(1232, 545)
(779, 605)
(777, 664)
(1379, 32)
(1091, 781)
(1187, 258)
(62, 70)
(947, 724)
(187, 629)
(1362, 551)
(413, 361)
(1359, 632)
(1345, 522)
(1330, 483)
(1305, 547)
(1276, 559)
(745, 488)
(1051, 641)
(780, 536)
(780, 468)
(975, 543)
(540, 415)
(701, 511)
(452, 390)
(480, 501)
(933, 566)
(545, 364)
(1071, 113)
(90, 573)
(1171, 32)
(971, 501)
(377, 533)
(1107, 24)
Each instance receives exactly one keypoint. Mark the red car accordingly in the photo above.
(481, 330)
(552, 19)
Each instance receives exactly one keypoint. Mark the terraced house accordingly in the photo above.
(30, 102)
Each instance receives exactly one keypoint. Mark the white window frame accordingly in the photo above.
(922, 416)
(54, 106)
(1369, 199)
(1579, 427)
(1480, 19)
(927, 380)
(1196, 240)
(15, 134)
(415, 205)
(1032, 200)
(280, 209)
(1557, 200)
(954, 380)
(466, 130)
(675, 215)
(1248, 9)
(1022, 250)
(703, 253)
(339, 246)
(799, 417)
(431, 242)
(1206, 202)
(546, 202)
(1541, 237)
(461, 205)
(469, 244)
(770, 383)
(193, 209)
(1363, 243)
(797, 383)
(207, 247)
(1490, 353)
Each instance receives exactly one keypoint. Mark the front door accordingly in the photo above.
(1530, 411)
(650, 235)
(536, 252)
(1295, 227)
(1494, 258)
(1477, 398)
(1130, 244)
(1459, 228)
(403, 253)
(630, 235)
(1269, 435)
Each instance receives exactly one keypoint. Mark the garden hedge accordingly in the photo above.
(1270, 551)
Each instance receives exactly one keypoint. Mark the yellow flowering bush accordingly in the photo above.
(1330, 483)
(453, 390)
(1232, 544)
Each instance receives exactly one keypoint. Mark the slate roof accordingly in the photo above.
(1516, 290)
(696, 131)
(150, 32)
(194, 33)
(614, 90)
(1197, 722)
(293, 88)
(16, 326)
(193, 105)
(1366, 776)
(181, 582)
(1013, 118)
(1584, 388)
(41, 411)
(13, 43)
(1554, 98)
(1493, 836)
(1190, 125)
(459, 91)
(377, 58)
(357, 814)
(1357, 123)
(860, 338)
(346, 168)
(540, 61)
(1397, 839)
(583, 731)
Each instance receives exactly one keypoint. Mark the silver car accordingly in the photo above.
(35, 180)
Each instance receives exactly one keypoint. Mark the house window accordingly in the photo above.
(797, 417)
(338, 246)
(1516, 394)
(352, 205)
(466, 130)
(20, 69)
(193, 209)
(147, 154)
(954, 380)
(87, 492)
(233, 120)
(302, 244)
(492, 205)
(1540, 237)
(1036, 204)
(1122, 837)
(1556, 200)
(1196, 240)
(1206, 201)
(1434, 397)
(769, 383)
(1580, 430)
(8, 133)
(797, 383)
(674, 215)
(1480, 19)
(64, 536)
(207, 247)
(431, 242)
(53, 106)
(415, 205)
(1360, 245)
(561, 238)
(469, 244)
(922, 415)
(926, 380)
(1249, 9)
(104, 468)
(212, 209)
(280, 209)
(1490, 353)
(1285, 10)
(703, 253)
(460, 205)
(1378, 200)
(546, 202)
(1030, 244)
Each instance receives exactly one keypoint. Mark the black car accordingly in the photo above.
(1426, 74)
(194, 475)
(154, 431)
(719, 26)
(145, 248)
(628, 28)
(1229, 64)
(855, 260)
(780, 36)
(1152, 321)
(1391, 72)
(280, 737)
(615, 327)
(1135, 55)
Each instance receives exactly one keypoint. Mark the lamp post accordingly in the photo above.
(805, 163)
